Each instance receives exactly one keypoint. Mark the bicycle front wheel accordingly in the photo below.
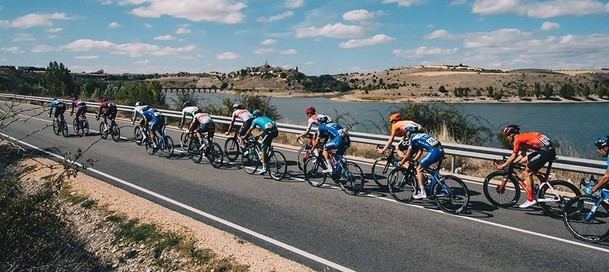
(185, 141)
(102, 130)
(551, 198)
(168, 148)
(84, 127)
(232, 149)
(116, 132)
(352, 179)
(313, 171)
(402, 184)
(451, 195)
(380, 169)
(64, 128)
(278, 166)
(214, 155)
(56, 127)
(585, 224)
(250, 160)
(501, 190)
(193, 150)
(138, 136)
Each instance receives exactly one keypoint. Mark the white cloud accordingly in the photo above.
(42, 48)
(403, 3)
(35, 20)
(337, 30)
(220, 11)
(130, 2)
(268, 42)
(278, 17)
(437, 35)
(54, 30)
(114, 25)
(23, 37)
(424, 51)
(290, 51)
(498, 38)
(374, 40)
(52, 36)
(227, 56)
(292, 4)
(142, 62)
(547, 26)
(264, 51)
(12, 49)
(183, 30)
(106, 2)
(165, 38)
(147, 25)
(358, 15)
(86, 57)
(131, 49)
(540, 9)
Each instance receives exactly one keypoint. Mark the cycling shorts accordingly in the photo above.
(269, 135)
(110, 113)
(156, 124)
(540, 157)
(245, 127)
(433, 156)
(59, 110)
(340, 143)
(208, 128)
(81, 110)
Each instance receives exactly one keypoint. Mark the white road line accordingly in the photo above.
(463, 217)
(199, 212)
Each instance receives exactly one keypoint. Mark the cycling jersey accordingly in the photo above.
(399, 128)
(531, 140)
(431, 145)
(339, 138)
(139, 110)
(189, 110)
(81, 107)
(313, 121)
(58, 106)
(203, 118)
(244, 115)
(110, 108)
(264, 123)
(156, 119)
(78, 103)
(206, 124)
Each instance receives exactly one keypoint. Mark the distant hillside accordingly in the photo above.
(19, 80)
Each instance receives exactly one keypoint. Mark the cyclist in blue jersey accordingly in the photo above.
(602, 144)
(59, 107)
(338, 139)
(80, 106)
(419, 142)
(269, 132)
(156, 121)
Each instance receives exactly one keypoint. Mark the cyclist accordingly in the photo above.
(202, 123)
(311, 114)
(398, 128)
(602, 144)
(60, 108)
(139, 110)
(108, 108)
(245, 116)
(417, 143)
(155, 122)
(81, 108)
(543, 152)
(269, 132)
(338, 139)
(187, 110)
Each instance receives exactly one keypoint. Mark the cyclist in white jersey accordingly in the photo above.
(187, 110)
(245, 116)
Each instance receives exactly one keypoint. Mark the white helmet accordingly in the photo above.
(137, 104)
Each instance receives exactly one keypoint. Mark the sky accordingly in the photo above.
(317, 36)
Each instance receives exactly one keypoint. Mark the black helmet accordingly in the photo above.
(511, 129)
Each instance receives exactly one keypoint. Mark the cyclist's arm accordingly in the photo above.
(232, 122)
(389, 142)
(602, 182)
(192, 126)
(418, 155)
(183, 118)
(51, 110)
(407, 155)
(252, 127)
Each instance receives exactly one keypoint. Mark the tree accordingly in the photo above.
(567, 91)
(58, 81)
(441, 89)
(490, 91)
(521, 92)
(585, 91)
(548, 91)
(537, 89)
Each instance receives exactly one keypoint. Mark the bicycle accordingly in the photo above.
(60, 126)
(348, 175)
(449, 192)
(383, 165)
(251, 159)
(232, 149)
(502, 189)
(139, 132)
(212, 151)
(163, 142)
(82, 126)
(587, 216)
(113, 130)
(306, 151)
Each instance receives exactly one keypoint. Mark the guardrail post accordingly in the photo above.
(453, 159)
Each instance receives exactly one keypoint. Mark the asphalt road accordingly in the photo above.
(363, 233)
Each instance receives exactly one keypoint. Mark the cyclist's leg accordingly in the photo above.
(536, 161)
(331, 145)
(244, 128)
(432, 157)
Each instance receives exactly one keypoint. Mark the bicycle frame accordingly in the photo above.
(543, 179)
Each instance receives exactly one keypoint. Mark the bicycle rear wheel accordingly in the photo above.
(232, 150)
(552, 199)
(84, 127)
(352, 179)
(185, 141)
(194, 151)
(250, 160)
(116, 131)
(150, 146)
(451, 195)
(214, 155)
(56, 127)
(380, 169)
(501, 190)
(102, 131)
(64, 128)
(278, 166)
(168, 148)
(138, 135)
(583, 223)
(313, 171)
(401, 184)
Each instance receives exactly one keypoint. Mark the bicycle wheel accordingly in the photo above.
(402, 184)
(193, 150)
(84, 127)
(303, 154)
(278, 166)
(451, 194)
(313, 171)
(380, 169)
(214, 155)
(64, 128)
(150, 146)
(250, 162)
(168, 147)
(138, 135)
(352, 179)
(552, 199)
(501, 190)
(585, 224)
(116, 131)
(232, 150)
(185, 141)
(102, 130)
(56, 126)
(75, 127)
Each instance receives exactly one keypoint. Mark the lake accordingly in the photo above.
(576, 125)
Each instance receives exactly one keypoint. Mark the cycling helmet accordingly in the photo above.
(602, 141)
(104, 100)
(256, 113)
(394, 117)
(237, 106)
(322, 119)
(412, 128)
(137, 104)
(511, 129)
(309, 110)
(54, 98)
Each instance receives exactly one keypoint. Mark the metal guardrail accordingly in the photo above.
(455, 150)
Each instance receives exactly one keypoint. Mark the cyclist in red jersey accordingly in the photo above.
(543, 152)
(107, 110)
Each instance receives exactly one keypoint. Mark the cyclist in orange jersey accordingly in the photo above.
(398, 128)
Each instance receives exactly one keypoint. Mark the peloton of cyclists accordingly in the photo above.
(107, 110)
(269, 132)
